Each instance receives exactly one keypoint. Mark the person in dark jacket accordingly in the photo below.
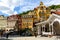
(7, 34)
(2, 31)
(35, 34)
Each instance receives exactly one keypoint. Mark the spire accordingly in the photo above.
(41, 3)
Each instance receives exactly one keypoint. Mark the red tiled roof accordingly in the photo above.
(35, 8)
(38, 7)
(58, 12)
(14, 17)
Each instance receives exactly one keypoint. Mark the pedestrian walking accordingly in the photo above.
(35, 34)
(7, 34)
(2, 31)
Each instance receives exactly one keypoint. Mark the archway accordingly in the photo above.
(56, 28)
(47, 29)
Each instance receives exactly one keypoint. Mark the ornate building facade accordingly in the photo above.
(41, 13)
(27, 21)
(13, 22)
(3, 22)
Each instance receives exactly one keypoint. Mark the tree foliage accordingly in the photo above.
(51, 7)
(23, 13)
(54, 6)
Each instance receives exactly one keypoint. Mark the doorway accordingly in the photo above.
(46, 29)
(56, 28)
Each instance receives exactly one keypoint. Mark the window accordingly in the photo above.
(26, 20)
(24, 24)
(35, 16)
(42, 16)
(29, 24)
(39, 13)
(41, 8)
(47, 28)
(30, 20)
(43, 28)
(42, 12)
(44, 8)
(42, 19)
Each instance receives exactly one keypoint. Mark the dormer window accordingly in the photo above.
(44, 8)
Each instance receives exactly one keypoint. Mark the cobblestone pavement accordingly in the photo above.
(30, 38)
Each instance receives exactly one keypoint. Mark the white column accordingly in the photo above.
(39, 29)
(52, 28)
(49, 27)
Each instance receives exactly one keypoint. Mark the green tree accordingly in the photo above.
(54, 6)
(23, 13)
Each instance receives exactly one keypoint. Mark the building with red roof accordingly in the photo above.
(55, 12)
(14, 21)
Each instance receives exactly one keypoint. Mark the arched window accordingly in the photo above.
(47, 28)
(56, 23)
(56, 28)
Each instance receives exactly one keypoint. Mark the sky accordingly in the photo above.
(13, 7)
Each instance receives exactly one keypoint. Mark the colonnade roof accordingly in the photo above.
(50, 19)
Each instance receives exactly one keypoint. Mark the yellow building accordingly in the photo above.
(43, 12)
(27, 21)
(39, 14)
(33, 13)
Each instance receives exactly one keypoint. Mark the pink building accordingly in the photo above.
(13, 21)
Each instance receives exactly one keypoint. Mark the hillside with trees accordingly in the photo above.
(54, 6)
(23, 13)
(51, 7)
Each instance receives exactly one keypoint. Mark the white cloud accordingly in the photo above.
(22, 2)
(13, 3)
(25, 8)
(4, 8)
(15, 13)
(7, 6)
(52, 2)
(27, 5)
(6, 12)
